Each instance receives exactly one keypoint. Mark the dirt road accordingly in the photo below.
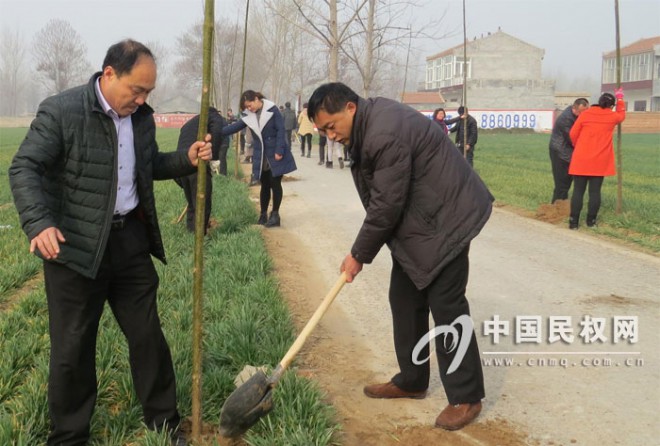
(538, 392)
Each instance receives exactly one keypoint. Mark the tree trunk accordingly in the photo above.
(333, 68)
(368, 63)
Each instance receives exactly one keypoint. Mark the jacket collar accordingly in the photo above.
(358, 130)
(266, 113)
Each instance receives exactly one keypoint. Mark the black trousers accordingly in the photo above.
(579, 187)
(561, 177)
(469, 155)
(322, 143)
(222, 157)
(127, 280)
(445, 299)
(189, 185)
(307, 137)
(270, 183)
(241, 142)
(288, 134)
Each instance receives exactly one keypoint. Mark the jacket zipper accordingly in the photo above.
(113, 197)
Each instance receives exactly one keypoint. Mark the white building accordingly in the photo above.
(505, 88)
(640, 74)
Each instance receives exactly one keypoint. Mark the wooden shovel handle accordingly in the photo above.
(311, 324)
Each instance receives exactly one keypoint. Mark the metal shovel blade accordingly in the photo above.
(254, 398)
(249, 402)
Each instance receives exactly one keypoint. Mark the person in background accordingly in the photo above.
(305, 130)
(439, 116)
(248, 154)
(334, 149)
(289, 121)
(188, 183)
(593, 157)
(426, 204)
(561, 148)
(272, 157)
(466, 131)
(82, 182)
(323, 141)
(231, 118)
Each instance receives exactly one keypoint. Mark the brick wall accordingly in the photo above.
(646, 122)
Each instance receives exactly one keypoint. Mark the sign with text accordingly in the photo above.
(537, 120)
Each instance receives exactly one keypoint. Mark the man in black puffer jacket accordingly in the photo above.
(426, 203)
(82, 182)
(187, 136)
(464, 121)
(561, 148)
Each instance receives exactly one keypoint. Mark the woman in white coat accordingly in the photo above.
(271, 157)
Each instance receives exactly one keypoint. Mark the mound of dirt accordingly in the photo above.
(554, 213)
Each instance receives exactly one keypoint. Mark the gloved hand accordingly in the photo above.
(618, 93)
(215, 166)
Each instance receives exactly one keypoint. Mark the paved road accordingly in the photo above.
(591, 393)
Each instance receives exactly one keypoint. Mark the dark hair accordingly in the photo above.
(461, 110)
(581, 101)
(287, 104)
(122, 56)
(250, 95)
(331, 97)
(606, 100)
(436, 111)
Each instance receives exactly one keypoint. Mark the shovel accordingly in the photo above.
(254, 398)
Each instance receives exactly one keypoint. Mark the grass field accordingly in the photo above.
(516, 168)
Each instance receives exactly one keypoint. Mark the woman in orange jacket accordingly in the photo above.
(593, 157)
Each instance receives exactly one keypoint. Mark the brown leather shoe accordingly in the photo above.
(391, 390)
(454, 417)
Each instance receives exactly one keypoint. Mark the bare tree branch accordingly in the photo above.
(61, 56)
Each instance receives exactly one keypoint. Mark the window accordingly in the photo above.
(626, 71)
(448, 70)
(609, 71)
(640, 106)
(644, 67)
(458, 67)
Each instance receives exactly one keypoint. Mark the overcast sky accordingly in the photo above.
(574, 33)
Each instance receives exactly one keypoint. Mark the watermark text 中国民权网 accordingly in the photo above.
(621, 331)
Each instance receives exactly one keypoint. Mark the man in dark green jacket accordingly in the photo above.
(82, 182)
(426, 203)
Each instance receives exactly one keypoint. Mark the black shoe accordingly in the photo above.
(263, 218)
(178, 438)
(274, 219)
(328, 164)
(573, 222)
(341, 163)
(591, 221)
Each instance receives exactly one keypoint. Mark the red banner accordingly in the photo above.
(172, 121)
